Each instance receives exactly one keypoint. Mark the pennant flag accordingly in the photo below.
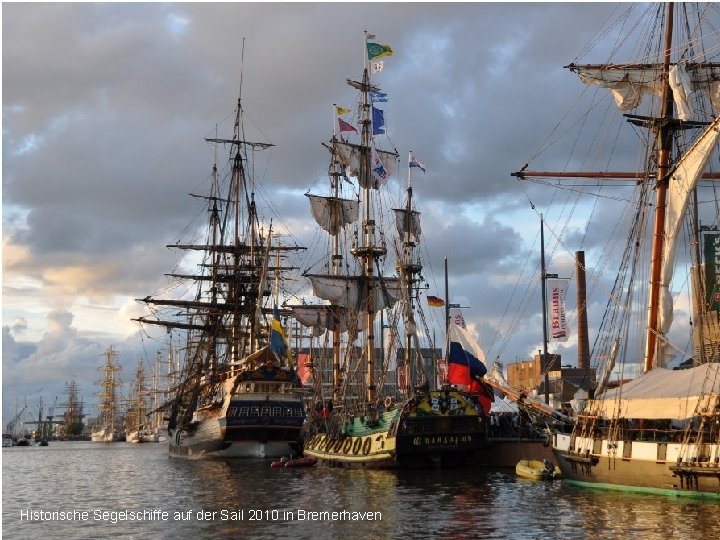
(376, 67)
(344, 126)
(278, 341)
(415, 163)
(378, 118)
(341, 110)
(434, 301)
(378, 97)
(378, 168)
(466, 360)
(375, 50)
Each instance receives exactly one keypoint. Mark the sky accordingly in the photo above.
(105, 111)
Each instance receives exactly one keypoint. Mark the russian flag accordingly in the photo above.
(466, 360)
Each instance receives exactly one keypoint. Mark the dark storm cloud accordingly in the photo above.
(105, 107)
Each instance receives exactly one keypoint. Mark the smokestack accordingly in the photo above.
(583, 359)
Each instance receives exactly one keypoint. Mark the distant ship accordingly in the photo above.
(108, 428)
(238, 392)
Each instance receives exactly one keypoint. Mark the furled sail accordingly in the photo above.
(683, 180)
(322, 317)
(350, 155)
(408, 224)
(333, 213)
(628, 83)
(353, 291)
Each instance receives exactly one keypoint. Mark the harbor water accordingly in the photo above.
(93, 490)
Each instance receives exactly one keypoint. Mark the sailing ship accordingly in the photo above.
(237, 394)
(136, 414)
(359, 422)
(659, 433)
(109, 426)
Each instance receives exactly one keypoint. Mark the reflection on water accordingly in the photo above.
(249, 498)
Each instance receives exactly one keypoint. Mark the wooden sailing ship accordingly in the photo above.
(237, 395)
(659, 433)
(109, 425)
(361, 423)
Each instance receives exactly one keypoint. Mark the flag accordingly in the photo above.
(434, 301)
(341, 110)
(376, 67)
(278, 342)
(378, 97)
(466, 360)
(378, 168)
(557, 289)
(375, 50)
(378, 120)
(369, 36)
(456, 317)
(415, 163)
(344, 126)
(304, 368)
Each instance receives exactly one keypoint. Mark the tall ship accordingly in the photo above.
(137, 423)
(237, 394)
(109, 426)
(358, 419)
(658, 432)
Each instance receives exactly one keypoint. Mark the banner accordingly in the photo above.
(557, 289)
(712, 270)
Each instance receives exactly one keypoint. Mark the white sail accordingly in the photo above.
(683, 180)
(322, 317)
(629, 83)
(408, 225)
(333, 213)
(352, 292)
(350, 156)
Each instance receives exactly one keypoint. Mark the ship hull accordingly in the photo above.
(242, 430)
(423, 433)
(644, 467)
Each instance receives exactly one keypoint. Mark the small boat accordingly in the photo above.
(286, 463)
(534, 469)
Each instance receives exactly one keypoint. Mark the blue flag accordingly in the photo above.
(278, 342)
(378, 121)
(378, 97)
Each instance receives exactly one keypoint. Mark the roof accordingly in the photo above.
(662, 394)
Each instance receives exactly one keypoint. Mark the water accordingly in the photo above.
(469, 503)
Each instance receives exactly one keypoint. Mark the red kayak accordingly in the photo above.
(291, 463)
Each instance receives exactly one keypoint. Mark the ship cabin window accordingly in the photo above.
(248, 387)
(288, 411)
(298, 412)
(277, 411)
(244, 411)
(255, 411)
(266, 411)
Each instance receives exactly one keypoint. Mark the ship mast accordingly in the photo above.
(664, 138)
(368, 253)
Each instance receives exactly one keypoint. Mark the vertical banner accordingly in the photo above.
(712, 270)
(556, 292)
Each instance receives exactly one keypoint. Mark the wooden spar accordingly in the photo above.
(522, 175)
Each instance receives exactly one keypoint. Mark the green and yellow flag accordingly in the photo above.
(375, 50)
(341, 110)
